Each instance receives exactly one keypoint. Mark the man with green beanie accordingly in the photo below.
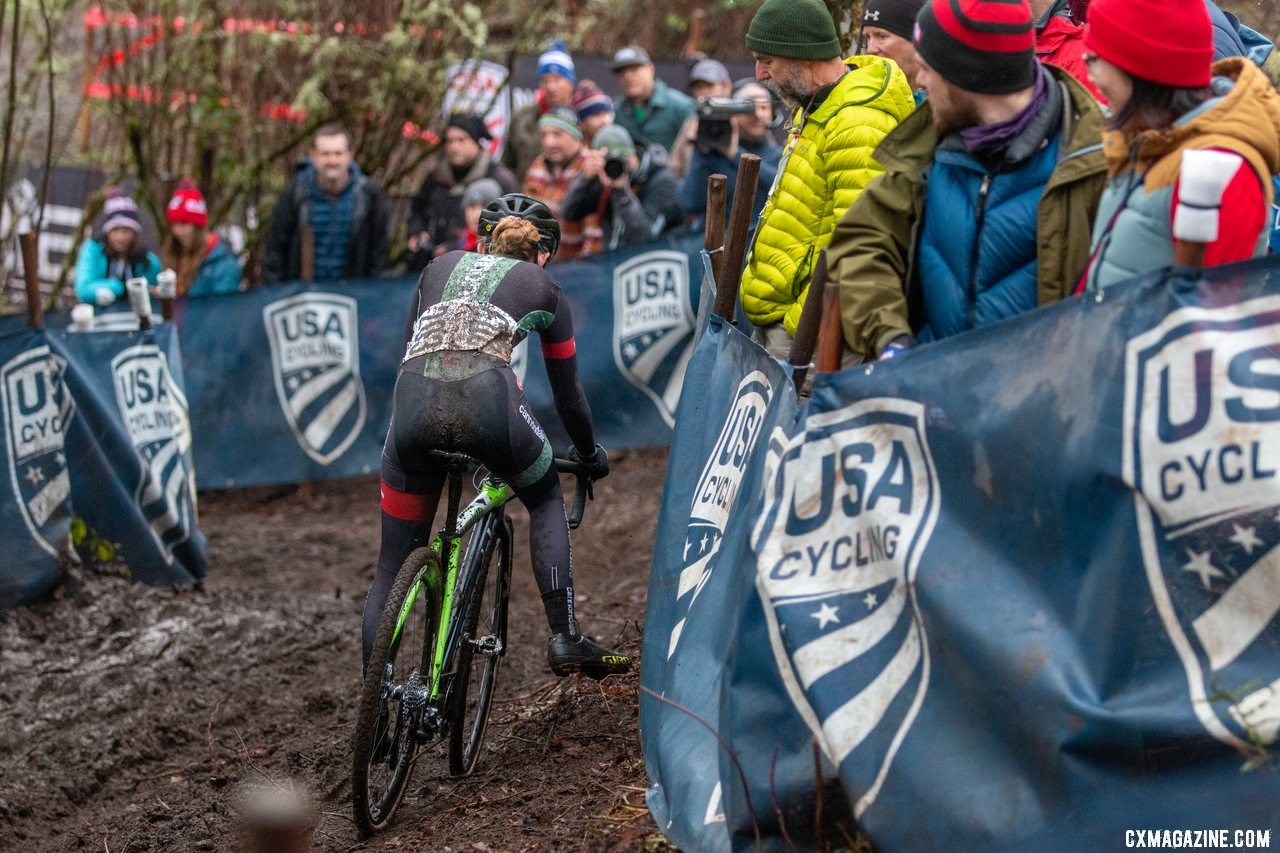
(842, 109)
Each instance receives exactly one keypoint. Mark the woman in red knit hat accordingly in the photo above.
(202, 263)
(1153, 61)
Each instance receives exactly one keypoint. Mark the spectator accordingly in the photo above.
(117, 255)
(648, 108)
(593, 107)
(1060, 40)
(556, 76)
(632, 191)
(202, 263)
(843, 108)
(707, 79)
(345, 209)
(435, 213)
(887, 26)
(553, 172)
(1165, 100)
(989, 189)
(478, 195)
(750, 134)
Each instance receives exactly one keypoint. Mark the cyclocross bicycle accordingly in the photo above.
(440, 640)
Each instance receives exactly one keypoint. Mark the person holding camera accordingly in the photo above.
(720, 139)
(631, 190)
(707, 79)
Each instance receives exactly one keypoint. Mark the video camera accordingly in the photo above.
(714, 128)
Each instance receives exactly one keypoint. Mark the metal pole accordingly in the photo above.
(811, 314)
(744, 196)
(713, 238)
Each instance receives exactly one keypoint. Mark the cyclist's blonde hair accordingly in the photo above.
(514, 237)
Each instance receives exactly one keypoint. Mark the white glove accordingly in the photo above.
(166, 284)
(103, 296)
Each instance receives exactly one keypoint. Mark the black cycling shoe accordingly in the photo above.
(567, 655)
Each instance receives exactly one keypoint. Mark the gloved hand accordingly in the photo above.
(166, 285)
(597, 464)
(896, 347)
(103, 296)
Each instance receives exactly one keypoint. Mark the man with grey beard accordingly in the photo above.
(842, 109)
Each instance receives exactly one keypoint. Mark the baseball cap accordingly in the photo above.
(630, 55)
(708, 71)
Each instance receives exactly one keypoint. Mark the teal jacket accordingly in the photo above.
(94, 271)
(659, 120)
(219, 272)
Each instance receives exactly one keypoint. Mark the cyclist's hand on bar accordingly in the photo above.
(597, 465)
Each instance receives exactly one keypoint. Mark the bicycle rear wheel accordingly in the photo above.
(394, 698)
(485, 573)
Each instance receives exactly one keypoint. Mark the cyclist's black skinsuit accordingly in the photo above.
(456, 391)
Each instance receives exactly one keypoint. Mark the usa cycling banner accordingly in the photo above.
(734, 394)
(1021, 587)
(35, 515)
(293, 382)
(129, 450)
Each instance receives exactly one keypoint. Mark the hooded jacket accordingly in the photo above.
(366, 249)
(219, 270)
(875, 252)
(826, 163)
(1134, 230)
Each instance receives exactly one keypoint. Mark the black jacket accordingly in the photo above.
(437, 206)
(367, 251)
(648, 208)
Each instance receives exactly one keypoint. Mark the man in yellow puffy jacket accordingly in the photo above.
(843, 108)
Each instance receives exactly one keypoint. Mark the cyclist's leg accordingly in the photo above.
(409, 495)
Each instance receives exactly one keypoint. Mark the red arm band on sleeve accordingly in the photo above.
(564, 349)
(1243, 216)
(403, 505)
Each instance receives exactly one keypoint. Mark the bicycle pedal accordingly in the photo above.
(488, 645)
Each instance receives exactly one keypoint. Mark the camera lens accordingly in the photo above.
(614, 167)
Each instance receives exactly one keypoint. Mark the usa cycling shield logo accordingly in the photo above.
(850, 505)
(717, 490)
(37, 411)
(316, 355)
(155, 414)
(653, 325)
(1202, 454)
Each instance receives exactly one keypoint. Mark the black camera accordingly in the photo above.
(714, 128)
(614, 166)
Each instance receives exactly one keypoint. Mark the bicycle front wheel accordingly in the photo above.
(394, 700)
(485, 574)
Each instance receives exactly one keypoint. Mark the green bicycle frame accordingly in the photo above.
(493, 494)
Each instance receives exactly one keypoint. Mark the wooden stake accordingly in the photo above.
(307, 264)
(811, 316)
(31, 277)
(713, 239)
(831, 334)
(744, 196)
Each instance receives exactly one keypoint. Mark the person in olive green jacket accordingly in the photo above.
(989, 193)
(843, 109)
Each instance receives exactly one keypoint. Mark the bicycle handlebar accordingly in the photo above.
(583, 491)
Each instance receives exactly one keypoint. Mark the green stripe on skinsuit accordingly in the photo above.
(535, 320)
(476, 277)
(534, 472)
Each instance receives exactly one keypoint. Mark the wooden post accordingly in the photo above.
(713, 230)
(831, 333)
(31, 278)
(307, 264)
(744, 196)
(1187, 253)
(811, 315)
(694, 46)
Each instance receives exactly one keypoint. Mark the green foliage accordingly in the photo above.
(100, 554)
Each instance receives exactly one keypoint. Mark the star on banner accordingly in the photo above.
(1246, 538)
(826, 614)
(34, 475)
(870, 600)
(1200, 565)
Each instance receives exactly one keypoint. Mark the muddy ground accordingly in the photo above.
(134, 718)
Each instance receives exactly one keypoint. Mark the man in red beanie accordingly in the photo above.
(989, 190)
(1152, 60)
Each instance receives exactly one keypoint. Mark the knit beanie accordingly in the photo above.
(119, 211)
(1169, 42)
(983, 46)
(589, 99)
(794, 29)
(615, 139)
(896, 16)
(187, 205)
(471, 124)
(563, 118)
(481, 192)
(556, 60)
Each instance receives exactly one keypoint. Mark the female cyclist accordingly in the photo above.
(456, 391)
